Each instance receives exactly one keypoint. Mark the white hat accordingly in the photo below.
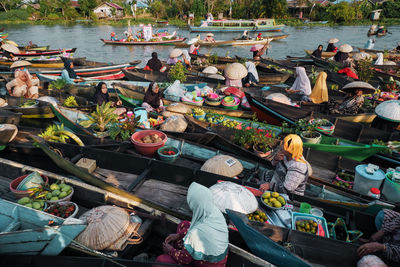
(333, 40)
(176, 52)
(345, 48)
(210, 34)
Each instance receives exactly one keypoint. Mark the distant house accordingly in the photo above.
(109, 10)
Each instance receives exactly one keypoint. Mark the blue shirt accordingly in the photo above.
(65, 76)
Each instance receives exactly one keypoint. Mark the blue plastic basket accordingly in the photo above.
(297, 216)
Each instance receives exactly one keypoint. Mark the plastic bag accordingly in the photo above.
(339, 231)
(174, 89)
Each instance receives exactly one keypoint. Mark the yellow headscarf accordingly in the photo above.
(294, 145)
(319, 93)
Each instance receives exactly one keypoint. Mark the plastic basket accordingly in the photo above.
(297, 216)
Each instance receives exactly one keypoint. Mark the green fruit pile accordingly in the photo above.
(307, 226)
(257, 216)
(31, 203)
(273, 199)
(58, 191)
(230, 123)
(198, 112)
(347, 178)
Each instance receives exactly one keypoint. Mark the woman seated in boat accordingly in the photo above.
(22, 86)
(194, 49)
(319, 93)
(381, 30)
(154, 63)
(178, 55)
(258, 50)
(245, 35)
(8, 55)
(397, 49)
(343, 53)
(301, 88)
(152, 100)
(291, 172)
(113, 37)
(252, 75)
(370, 43)
(318, 52)
(129, 36)
(209, 38)
(352, 103)
(385, 243)
(101, 96)
(331, 47)
(204, 240)
(259, 36)
(68, 73)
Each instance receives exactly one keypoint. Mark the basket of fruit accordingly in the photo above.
(28, 191)
(59, 192)
(63, 209)
(258, 216)
(198, 113)
(273, 200)
(32, 203)
(168, 153)
(147, 142)
(310, 224)
(345, 180)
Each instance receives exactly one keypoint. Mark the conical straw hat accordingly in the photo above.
(361, 55)
(210, 34)
(333, 41)
(7, 127)
(345, 48)
(175, 53)
(366, 87)
(11, 43)
(210, 70)
(235, 71)
(278, 97)
(389, 110)
(256, 47)
(10, 48)
(20, 63)
(223, 165)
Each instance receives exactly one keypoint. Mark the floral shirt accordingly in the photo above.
(391, 239)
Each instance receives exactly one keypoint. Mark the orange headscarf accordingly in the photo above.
(294, 145)
(319, 93)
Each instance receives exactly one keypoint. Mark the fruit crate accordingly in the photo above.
(297, 216)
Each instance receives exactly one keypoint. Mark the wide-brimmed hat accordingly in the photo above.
(175, 52)
(256, 47)
(361, 55)
(366, 87)
(20, 63)
(10, 48)
(389, 110)
(345, 48)
(210, 34)
(193, 41)
(223, 165)
(235, 71)
(210, 70)
(333, 40)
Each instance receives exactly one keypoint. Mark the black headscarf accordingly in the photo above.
(151, 98)
(331, 48)
(154, 63)
(340, 56)
(99, 97)
(317, 53)
(71, 72)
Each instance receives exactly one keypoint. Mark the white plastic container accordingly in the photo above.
(364, 181)
(391, 190)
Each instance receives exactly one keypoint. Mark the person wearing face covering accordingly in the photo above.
(152, 100)
(204, 240)
(154, 63)
(301, 86)
(319, 93)
(68, 74)
(291, 172)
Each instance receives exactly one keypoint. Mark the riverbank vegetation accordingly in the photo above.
(176, 11)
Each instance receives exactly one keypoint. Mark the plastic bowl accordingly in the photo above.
(67, 198)
(64, 203)
(30, 181)
(148, 149)
(23, 193)
(198, 117)
(170, 158)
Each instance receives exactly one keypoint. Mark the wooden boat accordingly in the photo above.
(30, 232)
(387, 75)
(37, 63)
(256, 25)
(163, 42)
(36, 53)
(156, 223)
(9, 117)
(391, 55)
(38, 48)
(92, 79)
(234, 42)
(38, 109)
(324, 54)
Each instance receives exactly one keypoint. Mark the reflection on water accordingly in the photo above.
(87, 39)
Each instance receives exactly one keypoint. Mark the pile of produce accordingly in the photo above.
(273, 199)
(28, 103)
(344, 180)
(70, 102)
(149, 139)
(214, 118)
(307, 226)
(61, 210)
(231, 124)
(198, 112)
(58, 191)
(257, 216)
(168, 152)
(36, 204)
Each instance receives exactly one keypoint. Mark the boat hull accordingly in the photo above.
(276, 28)
(174, 41)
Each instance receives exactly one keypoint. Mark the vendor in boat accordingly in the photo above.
(252, 75)
(209, 38)
(22, 86)
(113, 37)
(154, 63)
(129, 36)
(101, 96)
(178, 55)
(385, 243)
(331, 47)
(152, 100)
(318, 52)
(319, 93)
(301, 88)
(343, 53)
(370, 44)
(381, 30)
(194, 49)
(259, 36)
(398, 47)
(204, 240)
(292, 170)
(68, 73)
(387, 116)
(355, 99)
(245, 35)
(234, 73)
(8, 51)
(258, 50)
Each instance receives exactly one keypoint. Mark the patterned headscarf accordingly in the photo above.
(294, 145)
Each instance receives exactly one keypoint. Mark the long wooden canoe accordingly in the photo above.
(40, 110)
(37, 63)
(38, 48)
(163, 42)
(234, 42)
(390, 55)
(40, 53)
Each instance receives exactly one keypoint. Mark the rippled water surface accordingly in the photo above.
(87, 39)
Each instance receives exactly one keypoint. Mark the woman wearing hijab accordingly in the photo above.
(331, 47)
(379, 60)
(152, 100)
(319, 93)
(68, 74)
(204, 240)
(301, 86)
(101, 96)
(291, 172)
(154, 63)
(318, 52)
(252, 74)
(22, 86)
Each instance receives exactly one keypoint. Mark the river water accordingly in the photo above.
(87, 39)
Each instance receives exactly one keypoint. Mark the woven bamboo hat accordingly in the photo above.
(235, 71)
(223, 165)
(175, 53)
(179, 108)
(361, 55)
(107, 226)
(333, 40)
(10, 48)
(345, 48)
(366, 87)
(210, 70)
(278, 97)
(174, 124)
(389, 110)
(20, 63)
